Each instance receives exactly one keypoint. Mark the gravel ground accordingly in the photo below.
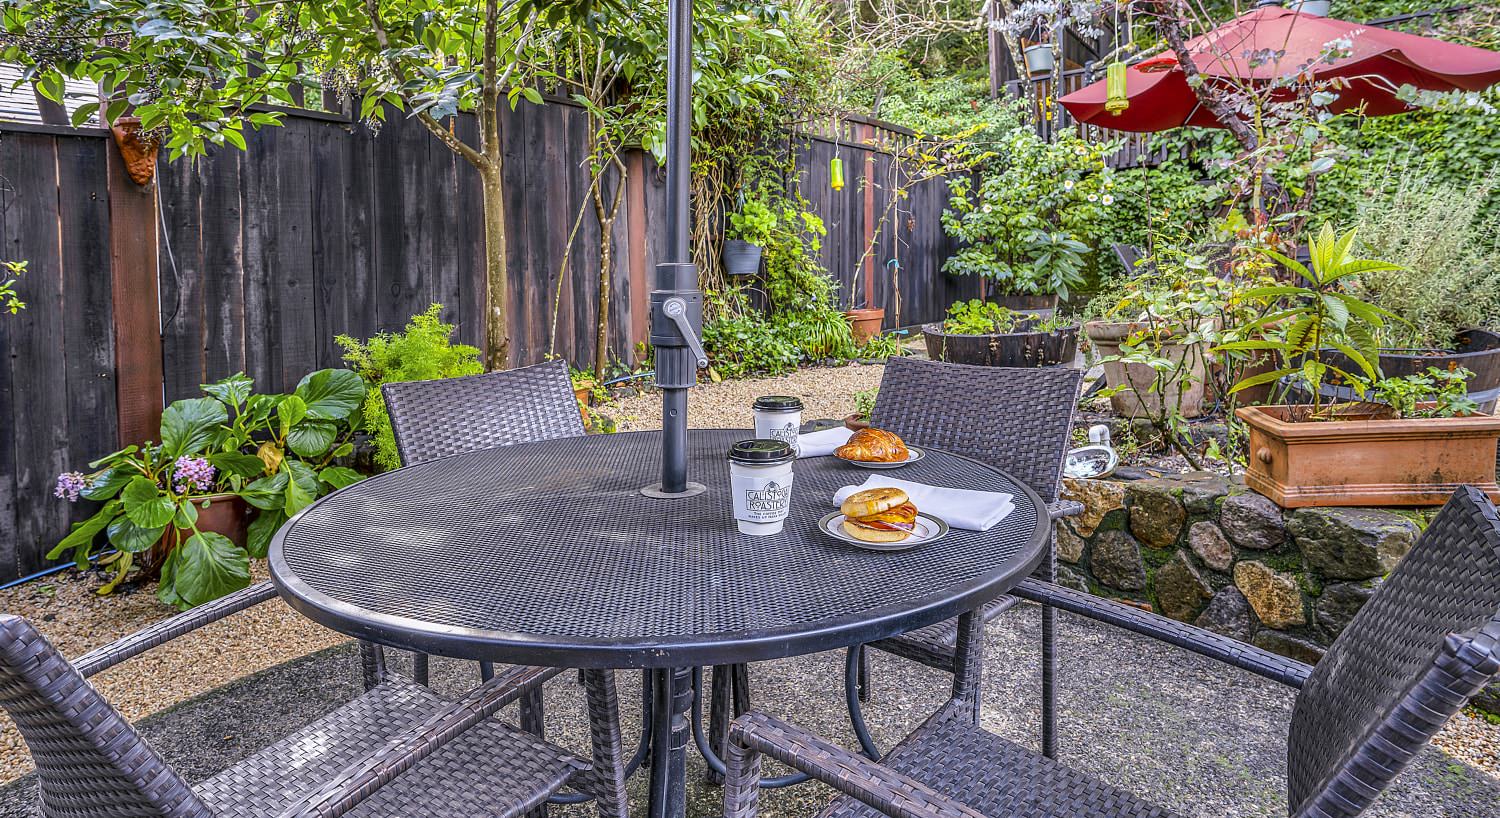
(1190, 734)
(825, 393)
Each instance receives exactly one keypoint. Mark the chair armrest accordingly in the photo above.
(1064, 508)
(872, 783)
(361, 779)
(127, 647)
(1188, 637)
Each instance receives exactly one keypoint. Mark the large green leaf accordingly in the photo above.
(241, 465)
(339, 477)
(311, 438)
(290, 412)
(208, 567)
(1260, 378)
(233, 390)
(166, 587)
(267, 493)
(146, 505)
(302, 489)
(331, 394)
(125, 535)
(188, 426)
(108, 484)
(83, 533)
(262, 529)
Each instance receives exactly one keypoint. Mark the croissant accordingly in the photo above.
(873, 445)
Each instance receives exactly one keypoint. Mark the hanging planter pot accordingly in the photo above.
(138, 151)
(741, 258)
(1038, 59)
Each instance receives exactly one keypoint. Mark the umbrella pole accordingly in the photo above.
(676, 303)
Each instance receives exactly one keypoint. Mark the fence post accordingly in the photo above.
(137, 305)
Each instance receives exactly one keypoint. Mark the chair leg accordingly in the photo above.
(531, 712)
(1049, 682)
(609, 753)
(721, 691)
(419, 668)
(372, 664)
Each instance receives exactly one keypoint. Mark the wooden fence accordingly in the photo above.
(254, 261)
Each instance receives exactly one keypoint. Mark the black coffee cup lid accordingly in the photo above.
(761, 452)
(778, 403)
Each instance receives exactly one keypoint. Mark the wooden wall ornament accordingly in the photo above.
(138, 150)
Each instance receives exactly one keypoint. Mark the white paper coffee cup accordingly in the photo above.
(760, 485)
(779, 417)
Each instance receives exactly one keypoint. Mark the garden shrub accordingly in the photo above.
(1449, 257)
(423, 351)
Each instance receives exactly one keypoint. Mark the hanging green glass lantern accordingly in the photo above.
(836, 173)
(1114, 84)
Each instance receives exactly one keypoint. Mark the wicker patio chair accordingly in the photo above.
(432, 419)
(397, 749)
(1017, 419)
(1426, 642)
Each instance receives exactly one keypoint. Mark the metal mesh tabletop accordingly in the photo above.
(547, 553)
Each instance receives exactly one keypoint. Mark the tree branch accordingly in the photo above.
(1173, 25)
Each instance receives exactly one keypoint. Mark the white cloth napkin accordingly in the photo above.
(817, 444)
(961, 508)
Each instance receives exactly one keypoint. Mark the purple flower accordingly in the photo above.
(193, 473)
(69, 484)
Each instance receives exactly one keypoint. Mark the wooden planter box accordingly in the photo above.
(1018, 349)
(1367, 462)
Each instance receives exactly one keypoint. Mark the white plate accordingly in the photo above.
(913, 454)
(927, 529)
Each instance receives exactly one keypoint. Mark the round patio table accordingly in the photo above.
(548, 554)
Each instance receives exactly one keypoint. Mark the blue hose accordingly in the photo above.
(47, 572)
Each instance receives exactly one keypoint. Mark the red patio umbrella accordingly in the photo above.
(1160, 98)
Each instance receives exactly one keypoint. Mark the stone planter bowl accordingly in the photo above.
(1139, 401)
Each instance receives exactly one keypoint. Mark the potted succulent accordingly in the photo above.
(749, 233)
(1412, 450)
(986, 334)
(229, 469)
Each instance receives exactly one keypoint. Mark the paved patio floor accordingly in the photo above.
(1191, 735)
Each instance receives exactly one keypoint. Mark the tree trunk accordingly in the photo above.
(601, 336)
(496, 274)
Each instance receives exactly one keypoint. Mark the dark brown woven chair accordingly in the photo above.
(1426, 643)
(432, 419)
(398, 749)
(1018, 420)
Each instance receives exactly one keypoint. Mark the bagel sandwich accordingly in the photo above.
(881, 515)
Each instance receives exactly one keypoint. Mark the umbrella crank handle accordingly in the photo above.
(676, 310)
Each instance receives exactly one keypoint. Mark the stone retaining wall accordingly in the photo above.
(1202, 548)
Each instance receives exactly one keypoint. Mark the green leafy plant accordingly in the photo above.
(277, 452)
(753, 223)
(864, 403)
(975, 317)
(1448, 255)
(1319, 314)
(10, 272)
(421, 352)
(1437, 393)
(1034, 218)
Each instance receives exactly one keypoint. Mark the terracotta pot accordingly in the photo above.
(139, 152)
(853, 423)
(865, 324)
(225, 514)
(1018, 349)
(1139, 401)
(1364, 461)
